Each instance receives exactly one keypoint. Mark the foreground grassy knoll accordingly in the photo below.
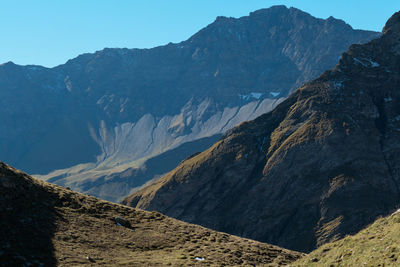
(46, 225)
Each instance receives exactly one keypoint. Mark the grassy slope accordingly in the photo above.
(376, 245)
(44, 223)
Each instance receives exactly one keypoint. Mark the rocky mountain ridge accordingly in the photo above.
(323, 164)
(103, 115)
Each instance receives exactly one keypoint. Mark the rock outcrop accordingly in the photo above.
(323, 164)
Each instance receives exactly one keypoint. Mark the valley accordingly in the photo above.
(270, 139)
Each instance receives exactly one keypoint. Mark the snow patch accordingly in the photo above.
(366, 62)
(397, 211)
(274, 94)
(256, 95)
(359, 62)
(250, 96)
(374, 64)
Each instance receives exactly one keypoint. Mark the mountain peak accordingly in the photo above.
(277, 10)
(9, 63)
(393, 24)
(272, 9)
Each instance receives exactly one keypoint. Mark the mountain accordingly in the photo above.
(377, 245)
(47, 225)
(95, 120)
(323, 164)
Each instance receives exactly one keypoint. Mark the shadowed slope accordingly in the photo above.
(49, 225)
(27, 220)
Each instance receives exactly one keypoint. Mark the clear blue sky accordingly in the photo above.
(49, 32)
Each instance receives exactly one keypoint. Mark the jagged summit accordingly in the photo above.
(283, 13)
(8, 64)
(277, 14)
(277, 9)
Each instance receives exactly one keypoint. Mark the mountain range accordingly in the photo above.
(99, 122)
(325, 163)
(313, 181)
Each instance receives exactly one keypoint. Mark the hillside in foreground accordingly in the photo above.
(377, 245)
(46, 225)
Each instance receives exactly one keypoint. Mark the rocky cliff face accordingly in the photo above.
(101, 114)
(324, 163)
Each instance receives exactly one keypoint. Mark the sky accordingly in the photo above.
(49, 32)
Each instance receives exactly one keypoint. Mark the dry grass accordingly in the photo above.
(377, 245)
(74, 226)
